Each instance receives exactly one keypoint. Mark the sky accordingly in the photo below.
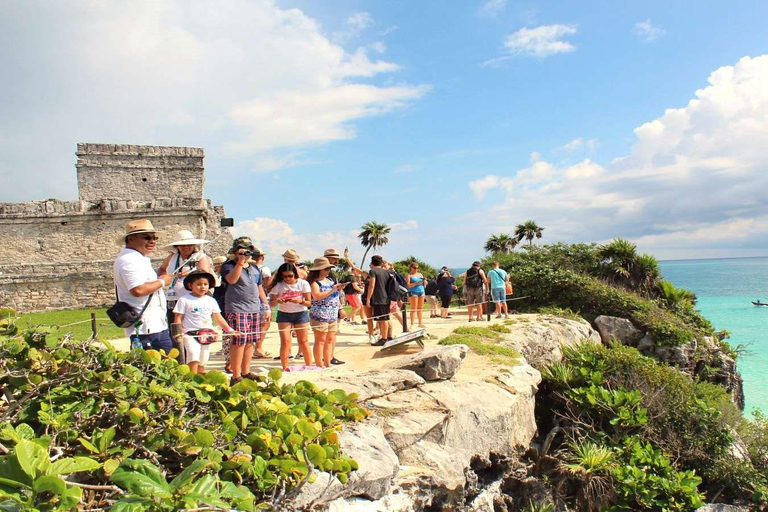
(448, 121)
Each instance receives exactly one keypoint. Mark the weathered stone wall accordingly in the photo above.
(125, 171)
(58, 254)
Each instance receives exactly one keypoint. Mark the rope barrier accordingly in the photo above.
(308, 327)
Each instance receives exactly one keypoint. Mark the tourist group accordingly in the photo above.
(191, 290)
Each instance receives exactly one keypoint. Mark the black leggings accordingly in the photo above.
(445, 301)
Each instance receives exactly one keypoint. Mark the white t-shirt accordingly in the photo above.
(287, 291)
(133, 269)
(197, 311)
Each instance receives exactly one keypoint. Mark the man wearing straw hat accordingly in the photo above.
(137, 284)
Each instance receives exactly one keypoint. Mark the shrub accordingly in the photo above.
(138, 431)
(403, 267)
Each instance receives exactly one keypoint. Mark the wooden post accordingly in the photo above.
(94, 329)
(403, 309)
(488, 304)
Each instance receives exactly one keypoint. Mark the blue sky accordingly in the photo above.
(449, 121)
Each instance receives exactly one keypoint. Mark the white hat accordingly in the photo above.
(185, 237)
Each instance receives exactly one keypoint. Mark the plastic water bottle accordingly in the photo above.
(136, 342)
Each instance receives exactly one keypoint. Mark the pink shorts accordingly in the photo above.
(393, 307)
(353, 300)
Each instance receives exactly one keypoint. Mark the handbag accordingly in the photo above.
(123, 314)
(508, 288)
(204, 336)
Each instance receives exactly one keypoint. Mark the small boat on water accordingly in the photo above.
(758, 303)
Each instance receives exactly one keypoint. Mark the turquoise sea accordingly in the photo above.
(725, 289)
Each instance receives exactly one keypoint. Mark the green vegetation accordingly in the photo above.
(561, 312)
(528, 230)
(84, 426)
(628, 433)
(79, 317)
(484, 341)
(611, 280)
(500, 243)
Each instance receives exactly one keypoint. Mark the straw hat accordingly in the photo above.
(189, 279)
(135, 227)
(219, 259)
(331, 253)
(185, 237)
(291, 255)
(320, 264)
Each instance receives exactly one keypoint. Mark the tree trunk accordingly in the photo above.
(362, 262)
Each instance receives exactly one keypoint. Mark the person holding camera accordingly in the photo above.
(187, 256)
(446, 285)
(138, 285)
(243, 309)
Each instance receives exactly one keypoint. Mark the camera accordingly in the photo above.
(227, 222)
(251, 253)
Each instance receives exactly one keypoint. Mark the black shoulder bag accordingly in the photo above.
(123, 314)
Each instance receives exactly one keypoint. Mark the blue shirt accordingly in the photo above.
(497, 277)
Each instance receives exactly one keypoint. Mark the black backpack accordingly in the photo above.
(473, 279)
(396, 289)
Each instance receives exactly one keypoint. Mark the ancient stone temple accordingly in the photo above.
(58, 254)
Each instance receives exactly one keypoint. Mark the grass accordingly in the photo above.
(81, 331)
(484, 341)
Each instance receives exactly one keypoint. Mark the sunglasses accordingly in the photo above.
(149, 238)
(286, 276)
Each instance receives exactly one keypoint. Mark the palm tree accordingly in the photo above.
(527, 230)
(500, 243)
(623, 266)
(373, 235)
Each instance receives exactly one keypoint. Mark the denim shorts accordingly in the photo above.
(415, 294)
(302, 317)
(499, 294)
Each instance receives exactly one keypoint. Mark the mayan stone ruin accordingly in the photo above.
(58, 254)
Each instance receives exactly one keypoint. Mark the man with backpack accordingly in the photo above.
(474, 280)
(378, 298)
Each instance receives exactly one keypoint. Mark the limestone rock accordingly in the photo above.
(365, 442)
(646, 344)
(390, 503)
(439, 429)
(324, 488)
(437, 363)
(612, 327)
(367, 385)
(540, 338)
(522, 379)
(721, 507)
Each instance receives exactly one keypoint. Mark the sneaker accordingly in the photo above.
(379, 343)
(346, 321)
(498, 316)
(299, 356)
(336, 361)
(372, 339)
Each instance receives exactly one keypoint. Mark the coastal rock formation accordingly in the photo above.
(540, 338)
(437, 363)
(611, 327)
(434, 443)
(367, 385)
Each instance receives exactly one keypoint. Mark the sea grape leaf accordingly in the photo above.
(141, 477)
(316, 454)
(49, 483)
(32, 458)
(72, 465)
(188, 474)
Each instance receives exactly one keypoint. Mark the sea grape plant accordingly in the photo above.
(85, 426)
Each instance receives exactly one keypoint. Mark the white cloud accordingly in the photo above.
(271, 162)
(407, 168)
(247, 76)
(388, 30)
(541, 41)
(579, 143)
(492, 7)
(360, 21)
(647, 32)
(696, 177)
(274, 236)
(408, 225)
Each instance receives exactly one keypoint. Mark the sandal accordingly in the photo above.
(234, 380)
(336, 361)
(262, 355)
(250, 376)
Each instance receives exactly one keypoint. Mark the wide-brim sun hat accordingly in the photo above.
(331, 253)
(219, 259)
(189, 278)
(135, 227)
(290, 255)
(185, 237)
(321, 264)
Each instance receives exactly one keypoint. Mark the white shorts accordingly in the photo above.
(196, 352)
